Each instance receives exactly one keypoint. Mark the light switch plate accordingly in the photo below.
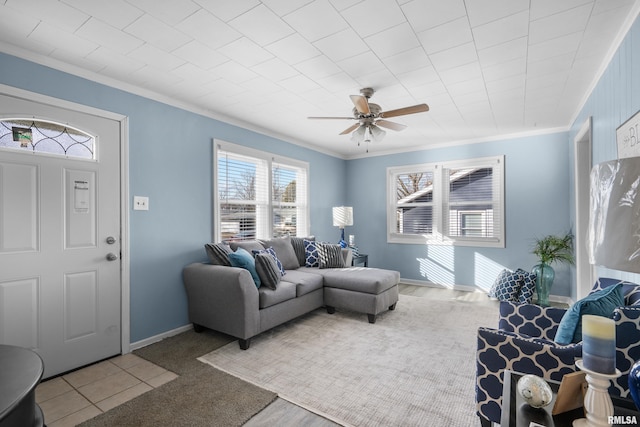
(140, 203)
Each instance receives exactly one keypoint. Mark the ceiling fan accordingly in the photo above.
(371, 118)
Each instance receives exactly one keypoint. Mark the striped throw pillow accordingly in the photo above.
(330, 255)
(267, 270)
(218, 253)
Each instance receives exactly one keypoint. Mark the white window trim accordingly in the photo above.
(439, 234)
(302, 227)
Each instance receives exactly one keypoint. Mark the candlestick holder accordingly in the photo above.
(597, 402)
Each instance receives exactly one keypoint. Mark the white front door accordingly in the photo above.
(60, 240)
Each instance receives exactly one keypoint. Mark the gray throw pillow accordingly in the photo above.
(218, 253)
(247, 245)
(330, 255)
(267, 270)
(298, 248)
(284, 251)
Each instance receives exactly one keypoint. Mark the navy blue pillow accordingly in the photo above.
(599, 303)
(506, 286)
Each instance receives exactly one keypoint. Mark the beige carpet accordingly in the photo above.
(414, 366)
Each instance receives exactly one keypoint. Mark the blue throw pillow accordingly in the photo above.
(528, 282)
(600, 303)
(506, 286)
(312, 258)
(243, 259)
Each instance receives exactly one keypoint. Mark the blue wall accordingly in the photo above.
(170, 161)
(615, 98)
(537, 204)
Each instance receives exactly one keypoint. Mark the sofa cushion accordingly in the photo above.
(365, 280)
(298, 248)
(284, 292)
(305, 281)
(247, 245)
(243, 259)
(284, 251)
(330, 255)
(267, 270)
(311, 256)
(218, 253)
(599, 303)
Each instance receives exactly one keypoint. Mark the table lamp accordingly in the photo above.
(342, 216)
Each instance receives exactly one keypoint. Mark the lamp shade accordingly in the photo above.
(614, 220)
(342, 216)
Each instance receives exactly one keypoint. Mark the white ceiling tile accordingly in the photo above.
(316, 20)
(293, 49)
(15, 25)
(393, 40)
(425, 14)
(118, 13)
(552, 66)
(504, 52)
(262, 87)
(515, 67)
(227, 10)
(425, 92)
(318, 67)
(283, 7)
(516, 82)
(381, 15)
(108, 36)
(339, 82)
(502, 30)
(418, 76)
(150, 77)
(171, 12)
(47, 34)
(466, 87)
(261, 25)
(299, 83)
(157, 33)
(208, 29)
(275, 69)
(543, 8)
(460, 74)
(155, 57)
(560, 24)
(483, 12)
(71, 58)
(193, 73)
(118, 66)
(364, 63)
(55, 13)
(407, 61)
(380, 78)
(234, 72)
(245, 52)
(554, 47)
(343, 4)
(200, 55)
(342, 45)
(454, 57)
(446, 36)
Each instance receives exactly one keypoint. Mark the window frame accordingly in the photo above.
(265, 230)
(440, 228)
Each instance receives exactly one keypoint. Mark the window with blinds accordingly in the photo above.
(459, 203)
(259, 196)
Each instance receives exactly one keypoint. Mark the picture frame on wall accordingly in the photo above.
(628, 137)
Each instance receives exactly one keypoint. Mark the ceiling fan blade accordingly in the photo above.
(390, 125)
(361, 103)
(349, 129)
(330, 118)
(420, 108)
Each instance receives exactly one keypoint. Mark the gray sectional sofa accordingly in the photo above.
(227, 299)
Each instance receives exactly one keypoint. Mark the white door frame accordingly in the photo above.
(124, 194)
(581, 172)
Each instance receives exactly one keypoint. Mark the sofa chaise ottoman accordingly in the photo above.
(227, 299)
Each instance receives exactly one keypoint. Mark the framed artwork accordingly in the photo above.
(628, 137)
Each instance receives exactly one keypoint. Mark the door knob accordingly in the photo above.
(111, 240)
(111, 256)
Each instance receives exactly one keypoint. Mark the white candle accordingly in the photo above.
(599, 344)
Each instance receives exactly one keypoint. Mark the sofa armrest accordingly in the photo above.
(627, 321)
(222, 298)
(530, 319)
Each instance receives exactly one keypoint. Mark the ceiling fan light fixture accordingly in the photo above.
(377, 134)
(359, 134)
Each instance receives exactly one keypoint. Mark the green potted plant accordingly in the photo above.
(550, 249)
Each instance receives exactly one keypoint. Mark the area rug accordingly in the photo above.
(414, 366)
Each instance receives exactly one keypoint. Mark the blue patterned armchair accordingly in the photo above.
(524, 343)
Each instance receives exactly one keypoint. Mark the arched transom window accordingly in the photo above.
(45, 137)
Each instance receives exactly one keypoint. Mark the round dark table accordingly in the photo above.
(20, 372)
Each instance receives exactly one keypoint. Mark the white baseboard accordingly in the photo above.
(147, 341)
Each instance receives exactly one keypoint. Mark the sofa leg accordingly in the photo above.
(330, 309)
(393, 307)
(244, 344)
(372, 318)
(198, 328)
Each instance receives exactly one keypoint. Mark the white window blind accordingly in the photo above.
(259, 196)
(459, 203)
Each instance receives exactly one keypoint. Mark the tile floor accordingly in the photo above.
(83, 394)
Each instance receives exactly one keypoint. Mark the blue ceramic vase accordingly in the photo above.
(634, 383)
